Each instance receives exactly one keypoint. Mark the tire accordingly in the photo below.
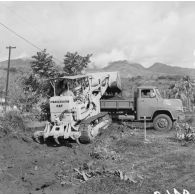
(162, 122)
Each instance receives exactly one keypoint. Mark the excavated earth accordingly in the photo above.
(162, 163)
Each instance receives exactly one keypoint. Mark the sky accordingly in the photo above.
(141, 32)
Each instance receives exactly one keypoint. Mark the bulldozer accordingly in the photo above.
(75, 107)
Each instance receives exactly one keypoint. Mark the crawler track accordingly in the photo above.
(90, 127)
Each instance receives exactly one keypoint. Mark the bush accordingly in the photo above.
(12, 122)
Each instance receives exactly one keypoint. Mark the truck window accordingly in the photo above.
(146, 93)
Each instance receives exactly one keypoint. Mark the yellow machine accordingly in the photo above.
(75, 106)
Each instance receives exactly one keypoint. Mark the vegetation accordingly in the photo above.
(74, 63)
(36, 84)
(184, 90)
(11, 123)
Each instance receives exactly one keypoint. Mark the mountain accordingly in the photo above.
(171, 70)
(128, 69)
(16, 65)
(125, 68)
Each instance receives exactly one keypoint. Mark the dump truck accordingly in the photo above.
(147, 104)
(81, 107)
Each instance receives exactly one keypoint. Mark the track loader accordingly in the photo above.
(75, 107)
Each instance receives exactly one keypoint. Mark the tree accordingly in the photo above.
(43, 68)
(43, 65)
(36, 83)
(74, 63)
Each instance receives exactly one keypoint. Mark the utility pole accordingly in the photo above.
(7, 82)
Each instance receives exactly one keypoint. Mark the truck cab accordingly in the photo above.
(150, 103)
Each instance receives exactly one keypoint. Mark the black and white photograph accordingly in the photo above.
(97, 97)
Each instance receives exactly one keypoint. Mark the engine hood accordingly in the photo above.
(174, 103)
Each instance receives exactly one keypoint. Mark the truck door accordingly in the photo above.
(146, 103)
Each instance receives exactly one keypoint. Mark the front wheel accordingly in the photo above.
(162, 122)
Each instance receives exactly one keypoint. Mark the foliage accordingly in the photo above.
(12, 122)
(43, 65)
(36, 84)
(184, 132)
(169, 77)
(74, 63)
(16, 94)
(184, 90)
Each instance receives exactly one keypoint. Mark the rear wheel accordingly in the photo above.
(162, 122)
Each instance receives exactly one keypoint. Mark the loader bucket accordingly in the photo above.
(114, 84)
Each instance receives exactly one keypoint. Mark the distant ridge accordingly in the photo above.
(128, 69)
(20, 64)
(166, 69)
(125, 68)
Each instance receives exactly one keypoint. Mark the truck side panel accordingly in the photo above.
(117, 104)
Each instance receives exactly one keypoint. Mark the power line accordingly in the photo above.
(27, 22)
(27, 41)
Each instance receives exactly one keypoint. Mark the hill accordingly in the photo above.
(171, 70)
(16, 65)
(126, 69)
(17, 68)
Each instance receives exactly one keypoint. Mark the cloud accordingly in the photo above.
(143, 32)
(102, 60)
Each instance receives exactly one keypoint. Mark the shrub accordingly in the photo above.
(12, 122)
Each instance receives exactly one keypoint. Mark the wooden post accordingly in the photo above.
(145, 135)
(144, 128)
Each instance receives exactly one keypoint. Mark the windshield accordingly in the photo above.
(158, 93)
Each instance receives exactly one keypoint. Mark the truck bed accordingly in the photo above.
(117, 104)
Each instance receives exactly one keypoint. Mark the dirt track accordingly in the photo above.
(162, 164)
